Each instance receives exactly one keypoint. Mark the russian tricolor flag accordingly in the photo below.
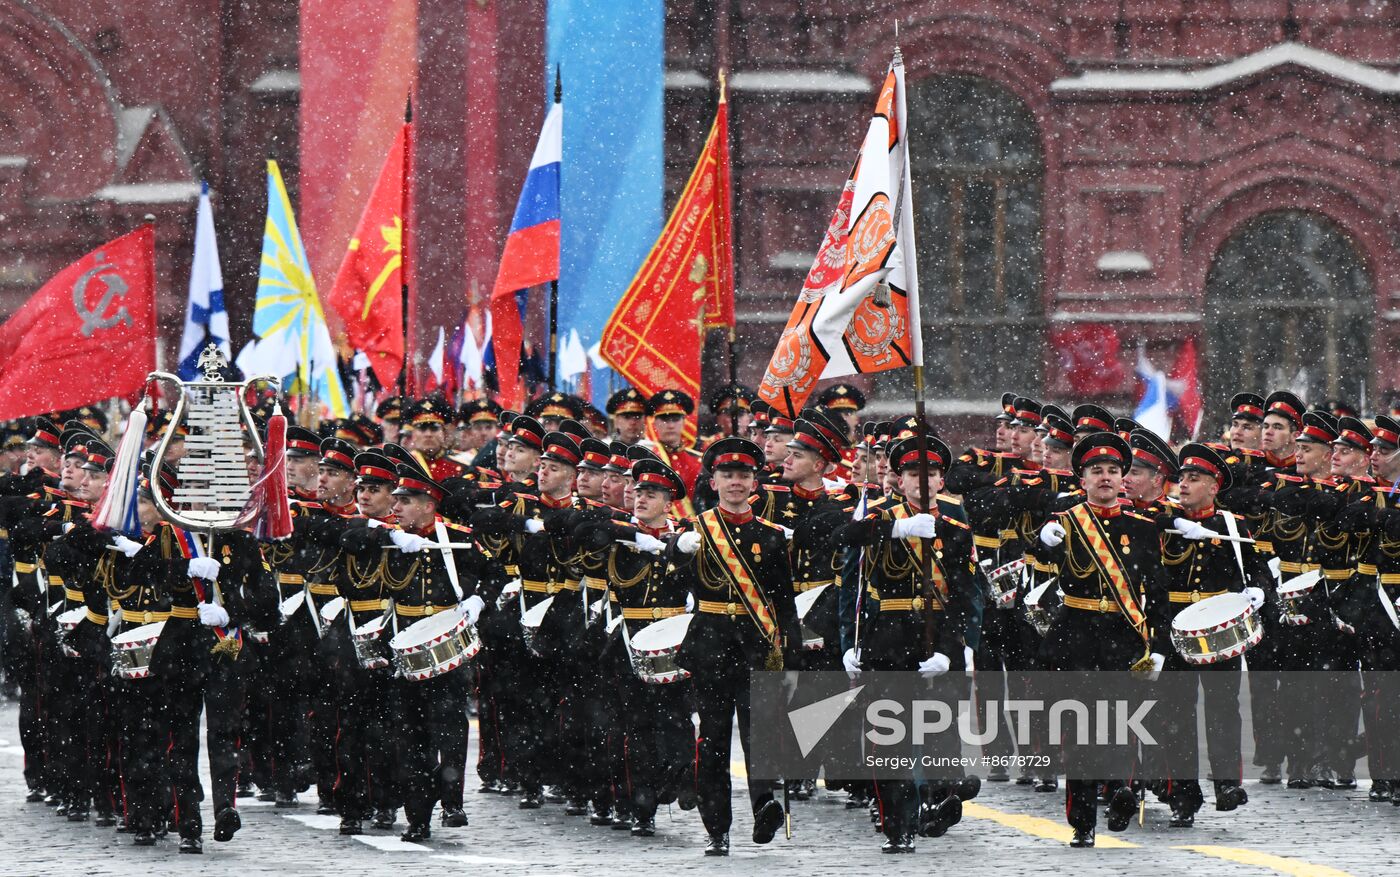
(531, 255)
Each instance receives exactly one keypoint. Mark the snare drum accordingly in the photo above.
(433, 646)
(1039, 615)
(68, 622)
(331, 611)
(811, 641)
(1003, 582)
(1292, 593)
(1216, 629)
(370, 647)
(288, 607)
(655, 647)
(530, 624)
(131, 651)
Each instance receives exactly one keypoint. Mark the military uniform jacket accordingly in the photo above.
(723, 617)
(812, 516)
(1199, 568)
(1134, 541)
(419, 583)
(976, 477)
(897, 602)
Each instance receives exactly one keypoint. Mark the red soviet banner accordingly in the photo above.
(88, 334)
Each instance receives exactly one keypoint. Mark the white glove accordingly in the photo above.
(688, 542)
(851, 661)
(690, 603)
(126, 546)
(648, 543)
(1256, 597)
(206, 568)
(375, 522)
(787, 533)
(1158, 662)
(1052, 534)
(1192, 530)
(211, 614)
(68, 527)
(967, 659)
(935, 666)
(917, 527)
(473, 606)
(407, 542)
(534, 525)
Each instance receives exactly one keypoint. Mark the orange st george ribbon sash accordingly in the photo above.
(1111, 566)
(716, 534)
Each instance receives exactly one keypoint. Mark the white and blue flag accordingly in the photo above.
(205, 317)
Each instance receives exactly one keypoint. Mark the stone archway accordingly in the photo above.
(1289, 304)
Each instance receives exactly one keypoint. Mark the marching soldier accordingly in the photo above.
(432, 420)
(1197, 569)
(921, 585)
(424, 576)
(1109, 562)
(746, 620)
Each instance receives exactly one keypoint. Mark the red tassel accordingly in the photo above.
(267, 510)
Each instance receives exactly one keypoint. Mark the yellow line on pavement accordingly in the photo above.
(1281, 864)
(1039, 827)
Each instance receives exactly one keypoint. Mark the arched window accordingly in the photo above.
(978, 175)
(1289, 305)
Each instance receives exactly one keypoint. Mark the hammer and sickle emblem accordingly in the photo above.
(115, 287)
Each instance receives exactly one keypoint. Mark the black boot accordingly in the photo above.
(1380, 791)
(351, 826)
(998, 774)
(935, 820)
(325, 806)
(104, 819)
(1229, 796)
(643, 827)
(1083, 837)
(1272, 775)
(285, 799)
(767, 821)
(601, 814)
(143, 837)
(226, 824)
(532, 800)
(384, 818)
(717, 844)
(574, 807)
(191, 845)
(416, 832)
(454, 818)
(1182, 816)
(904, 843)
(1121, 809)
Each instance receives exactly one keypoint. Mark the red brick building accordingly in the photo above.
(1153, 170)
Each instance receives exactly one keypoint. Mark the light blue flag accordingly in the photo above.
(288, 320)
(611, 59)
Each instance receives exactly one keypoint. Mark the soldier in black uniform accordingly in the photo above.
(746, 620)
(921, 585)
(1109, 562)
(1378, 633)
(644, 588)
(1197, 569)
(422, 582)
(367, 748)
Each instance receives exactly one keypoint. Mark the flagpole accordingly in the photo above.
(403, 247)
(554, 284)
(729, 337)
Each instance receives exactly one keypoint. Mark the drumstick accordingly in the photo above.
(463, 545)
(1220, 536)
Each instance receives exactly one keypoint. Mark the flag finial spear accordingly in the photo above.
(558, 85)
(898, 55)
(723, 97)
